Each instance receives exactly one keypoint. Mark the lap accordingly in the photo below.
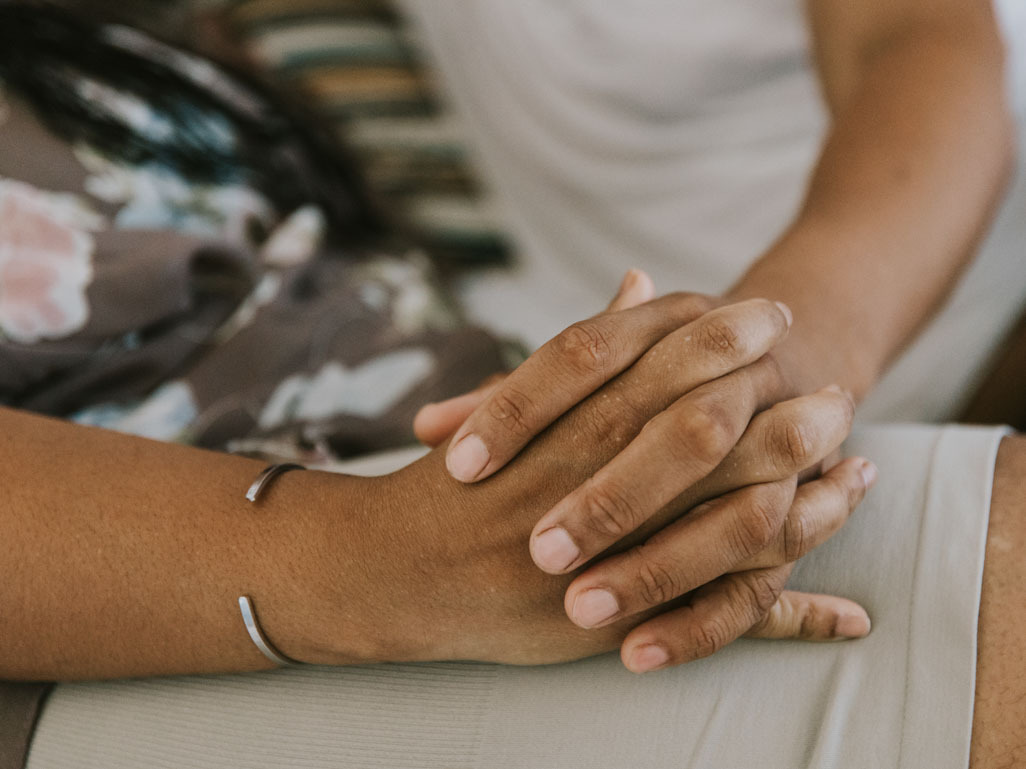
(902, 697)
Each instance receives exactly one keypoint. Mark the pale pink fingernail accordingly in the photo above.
(643, 285)
(853, 626)
(467, 458)
(787, 313)
(553, 550)
(869, 473)
(647, 657)
(593, 607)
(630, 280)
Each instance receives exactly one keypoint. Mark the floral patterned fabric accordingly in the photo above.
(136, 299)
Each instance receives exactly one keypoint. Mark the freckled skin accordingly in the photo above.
(999, 720)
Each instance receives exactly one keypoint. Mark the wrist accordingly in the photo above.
(331, 588)
(832, 340)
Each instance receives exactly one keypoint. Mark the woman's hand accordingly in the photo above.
(458, 582)
(653, 469)
(476, 594)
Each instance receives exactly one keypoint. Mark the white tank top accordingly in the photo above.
(676, 136)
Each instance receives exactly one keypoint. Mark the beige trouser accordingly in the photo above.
(903, 697)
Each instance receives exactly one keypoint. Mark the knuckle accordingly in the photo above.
(706, 432)
(788, 442)
(610, 512)
(657, 583)
(511, 408)
(759, 522)
(853, 493)
(796, 536)
(586, 346)
(708, 637)
(720, 338)
(760, 591)
(770, 624)
(811, 622)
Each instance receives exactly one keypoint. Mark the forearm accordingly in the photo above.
(905, 186)
(126, 557)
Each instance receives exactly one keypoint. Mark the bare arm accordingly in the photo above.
(907, 181)
(126, 557)
(915, 161)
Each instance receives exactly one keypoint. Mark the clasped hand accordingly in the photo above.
(654, 456)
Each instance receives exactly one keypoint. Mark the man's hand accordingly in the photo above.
(752, 524)
(467, 589)
(657, 466)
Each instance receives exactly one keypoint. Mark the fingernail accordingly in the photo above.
(467, 458)
(787, 313)
(630, 280)
(553, 550)
(593, 607)
(647, 657)
(644, 285)
(869, 473)
(853, 626)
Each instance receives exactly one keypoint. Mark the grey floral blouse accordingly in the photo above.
(136, 299)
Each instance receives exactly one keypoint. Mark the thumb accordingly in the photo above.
(436, 422)
(636, 288)
(812, 617)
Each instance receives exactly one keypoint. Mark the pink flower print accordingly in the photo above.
(45, 263)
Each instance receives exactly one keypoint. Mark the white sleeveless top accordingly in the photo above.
(676, 136)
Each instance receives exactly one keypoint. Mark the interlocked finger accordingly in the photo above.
(782, 441)
(677, 448)
(819, 510)
(715, 615)
(812, 617)
(561, 374)
(694, 550)
(435, 423)
(694, 415)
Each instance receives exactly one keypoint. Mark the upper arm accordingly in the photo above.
(849, 35)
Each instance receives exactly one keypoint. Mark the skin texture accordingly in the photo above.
(111, 573)
(698, 430)
(999, 719)
(492, 580)
(894, 209)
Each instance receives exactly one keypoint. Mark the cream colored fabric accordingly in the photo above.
(678, 137)
(912, 554)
